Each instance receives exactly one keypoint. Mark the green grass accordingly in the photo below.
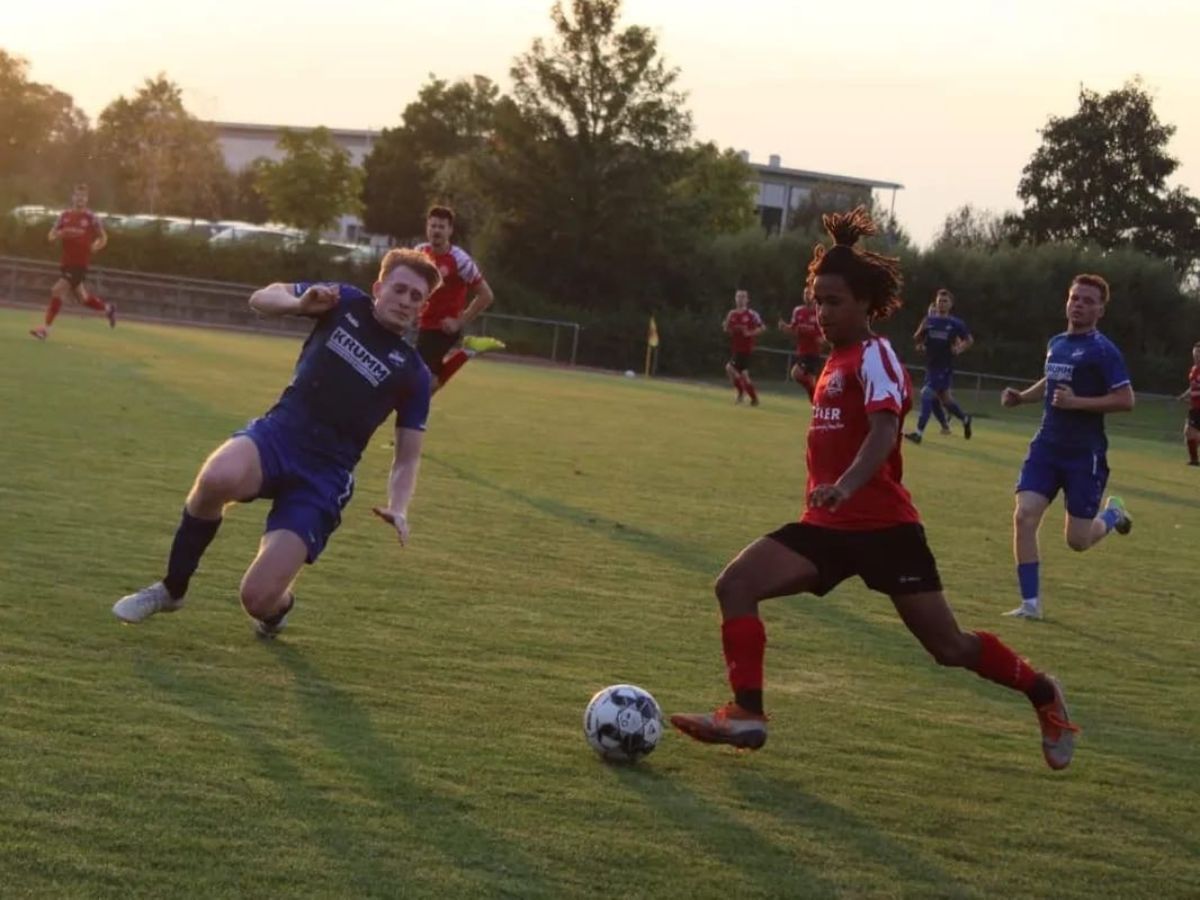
(416, 732)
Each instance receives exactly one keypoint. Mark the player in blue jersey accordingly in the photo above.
(355, 369)
(1085, 378)
(944, 337)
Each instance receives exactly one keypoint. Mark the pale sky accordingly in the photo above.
(943, 97)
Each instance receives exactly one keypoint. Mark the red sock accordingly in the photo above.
(750, 390)
(744, 641)
(998, 663)
(738, 385)
(52, 311)
(94, 302)
(1193, 446)
(452, 364)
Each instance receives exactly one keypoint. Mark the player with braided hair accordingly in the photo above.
(859, 518)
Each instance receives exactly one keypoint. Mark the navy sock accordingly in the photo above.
(955, 410)
(940, 414)
(191, 540)
(1027, 577)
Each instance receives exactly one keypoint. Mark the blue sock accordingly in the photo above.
(1110, 517)
(926, 409)
(192, 538)
(940, 414)
(955, 410)
(1027, 577)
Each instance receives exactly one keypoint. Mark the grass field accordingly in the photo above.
(416, 732)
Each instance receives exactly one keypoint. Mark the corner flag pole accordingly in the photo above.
(651, 343)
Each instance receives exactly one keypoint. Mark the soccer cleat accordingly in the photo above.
(1124, 521)
(946, 431)
(1191, 462)
(482, 344)
(268, 629)
(914, 436)
(138, 607)
(1058, 731)
(40, 333)
(728, 724)
(110, 313)
(1026, 611)
(754, 401)
(967, 427)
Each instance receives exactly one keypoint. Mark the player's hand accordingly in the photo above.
(1064, 397)
(827, 496)
(1010, 397)
(319, 298)
(451, 325)
(397, 520)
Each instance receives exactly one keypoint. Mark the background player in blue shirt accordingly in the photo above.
(354, 370)
(943, 336)
(1085, 378)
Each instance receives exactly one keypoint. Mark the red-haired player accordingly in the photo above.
(860, 520)
(81, 234)
(803, 326)
(744, 326)
(1191, 428)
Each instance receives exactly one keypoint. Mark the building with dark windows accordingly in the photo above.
(782, 192)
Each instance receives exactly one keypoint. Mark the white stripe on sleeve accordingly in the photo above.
(881, 374)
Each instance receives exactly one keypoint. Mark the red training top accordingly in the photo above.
(857, 381)
(808, 332)
(741, 322)
(459, 272)
(79, 228)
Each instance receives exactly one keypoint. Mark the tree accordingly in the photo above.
(586, 152)
(406, 168)
(1100, 176)
(969, 227)
(43, 144)
(161, 158)
(313, 184)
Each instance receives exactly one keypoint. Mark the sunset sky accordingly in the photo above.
(944, 97)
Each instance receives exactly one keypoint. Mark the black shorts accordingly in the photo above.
(74, 274)
(433, 344)
(809, 363)
(740, 361)
(895, 561)
(1194, 418)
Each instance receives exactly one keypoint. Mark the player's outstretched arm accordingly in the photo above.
(402, 482)
(280, 299)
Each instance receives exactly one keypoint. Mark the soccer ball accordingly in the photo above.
(623, 723)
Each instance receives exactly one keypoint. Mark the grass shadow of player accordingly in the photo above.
(764, 865)
(499, 867)
(686, 555)
(797, 808)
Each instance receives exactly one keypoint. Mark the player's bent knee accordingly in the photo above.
(1079, 542)
(259, 599)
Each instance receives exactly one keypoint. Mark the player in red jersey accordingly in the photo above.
(859, 520)
(1191, 428)
(448, 312)
(744, 326)
(804, 327)
(81, 234)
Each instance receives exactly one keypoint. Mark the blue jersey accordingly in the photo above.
(351, 374)
(1092, 366)
(941, 334)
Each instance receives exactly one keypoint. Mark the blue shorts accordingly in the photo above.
(309, 490)
(1080, 474)
(939, 380)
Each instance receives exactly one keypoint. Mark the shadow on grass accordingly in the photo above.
(494, 867)
(683, 554)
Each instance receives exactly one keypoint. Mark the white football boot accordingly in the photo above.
(142, 605)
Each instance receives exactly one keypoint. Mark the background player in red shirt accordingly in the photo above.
(1191, 428)
(448, 312)
(744, 326)
(859, 519)
(81, 234)
(803, 326)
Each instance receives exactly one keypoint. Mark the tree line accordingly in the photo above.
(586, 195)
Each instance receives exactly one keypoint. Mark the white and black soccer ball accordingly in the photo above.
(623, 723)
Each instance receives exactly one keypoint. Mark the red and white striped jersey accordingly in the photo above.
(459, 273)
(808, 333)
(857, 381)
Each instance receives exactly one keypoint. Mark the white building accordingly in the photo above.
(780, 191)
